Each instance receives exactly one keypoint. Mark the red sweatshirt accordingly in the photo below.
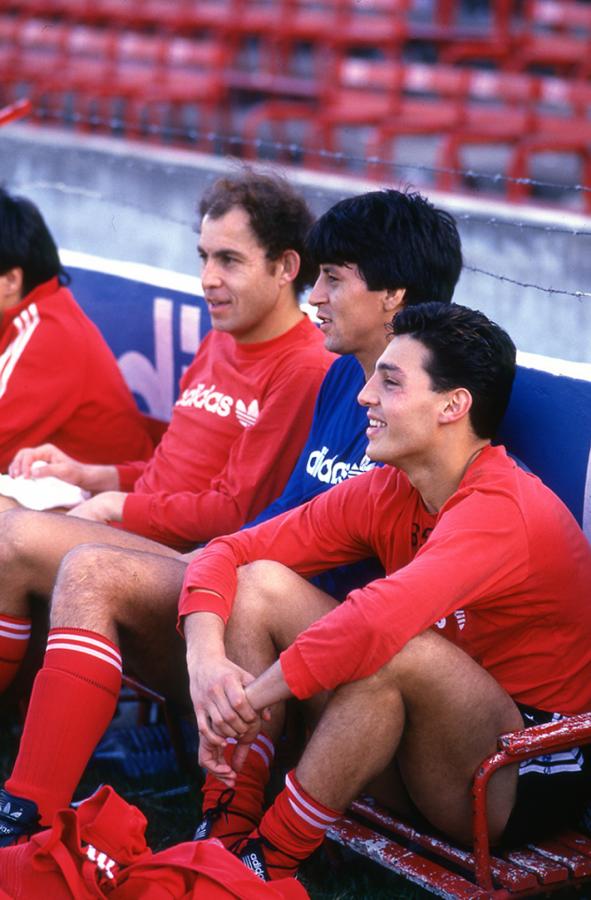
(503, 571)
(239, 424)
(59, 382)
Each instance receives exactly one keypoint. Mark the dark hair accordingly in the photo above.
(465, 350)
(26, 243)
(397, 240)
(278, 215)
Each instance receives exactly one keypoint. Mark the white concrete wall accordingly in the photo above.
(136, 202)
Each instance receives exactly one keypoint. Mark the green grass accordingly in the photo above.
(171, 805)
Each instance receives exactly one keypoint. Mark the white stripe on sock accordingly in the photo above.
(83, 639)
(256, 749)
(14, 626)
(78, 649)
(263, 739)
(15, 637)
(292, 789)
(321, 826)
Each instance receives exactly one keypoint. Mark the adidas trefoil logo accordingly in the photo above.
(247, 415)
(460, 617)
(9, 811)
(202, 831)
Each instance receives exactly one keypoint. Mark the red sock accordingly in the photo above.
(294, 827)
(73, 700)
(242, 806)
(15, 632)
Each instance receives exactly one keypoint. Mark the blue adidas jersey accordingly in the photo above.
(334, 451)
(336, 445)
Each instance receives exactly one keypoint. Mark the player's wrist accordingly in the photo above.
(97, 479)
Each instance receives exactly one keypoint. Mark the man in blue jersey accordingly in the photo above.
(377, 253)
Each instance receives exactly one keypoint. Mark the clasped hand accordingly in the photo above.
(224, 712)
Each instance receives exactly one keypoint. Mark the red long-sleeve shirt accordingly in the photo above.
(241, 419)
(503, 570)
(60, 383)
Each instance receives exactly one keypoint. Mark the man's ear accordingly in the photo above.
(290, 265)
(394, 301)
(13, 286)
(457, 404)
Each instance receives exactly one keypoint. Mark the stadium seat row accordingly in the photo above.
(230, 67)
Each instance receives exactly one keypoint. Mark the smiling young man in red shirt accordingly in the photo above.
(480, 625)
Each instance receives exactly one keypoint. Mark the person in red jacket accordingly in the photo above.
(480, 626)
(242, 416)
(59, 381)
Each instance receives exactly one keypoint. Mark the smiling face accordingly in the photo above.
(247, 295)
(404, 411)
(352, 318)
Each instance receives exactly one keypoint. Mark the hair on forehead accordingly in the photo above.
(278, 215)
(464, 349)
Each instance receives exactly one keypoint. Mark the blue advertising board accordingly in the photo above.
(154, 320)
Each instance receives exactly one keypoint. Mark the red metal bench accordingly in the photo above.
(447, 870)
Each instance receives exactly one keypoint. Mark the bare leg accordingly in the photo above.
(131, 598)
(32, 545)
(264, 622)
(431, 706)
(121, 597)
(440, 713)
(7, 503)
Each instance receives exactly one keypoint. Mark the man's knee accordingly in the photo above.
(15, 531)
(425, 657)
(85, 580)
(261, 581)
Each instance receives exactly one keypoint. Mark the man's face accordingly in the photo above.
(10, 289)
(352, 318)
(402, 407)
(241, 287)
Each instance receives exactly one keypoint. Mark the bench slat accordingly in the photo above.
(509, 875)
(404, 861)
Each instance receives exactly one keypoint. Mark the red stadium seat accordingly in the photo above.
(186, 93)
(550, 114)
(332, 28)
(556, 36)
(399, 99)
(565, 138)
(458, 105)
(35, 50)
(494, 45)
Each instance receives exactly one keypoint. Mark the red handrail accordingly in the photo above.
(15, 111)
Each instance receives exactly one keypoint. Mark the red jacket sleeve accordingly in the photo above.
(129, 473)
(309, 539)
(39, 390)
(475, 552)
(257, 469)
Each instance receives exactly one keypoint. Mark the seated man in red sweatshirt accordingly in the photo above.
(243, 414)
(480, 626)
(59, 381)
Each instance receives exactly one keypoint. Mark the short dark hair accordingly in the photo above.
(397, 240)
(466, 350)
(279, 216)
(26, 243)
